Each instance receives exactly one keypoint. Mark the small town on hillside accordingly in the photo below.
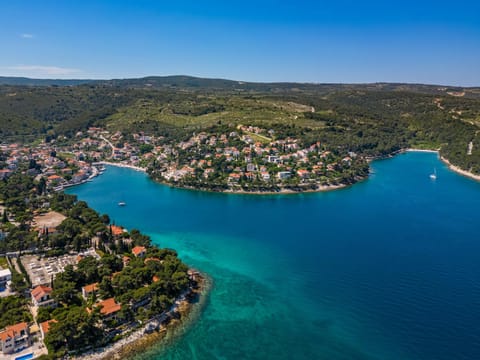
(245, 159)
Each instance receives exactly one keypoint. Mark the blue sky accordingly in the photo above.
(306, 41)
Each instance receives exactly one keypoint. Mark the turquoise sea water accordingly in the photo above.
(386, 269)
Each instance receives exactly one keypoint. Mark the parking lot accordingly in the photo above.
(42, 269)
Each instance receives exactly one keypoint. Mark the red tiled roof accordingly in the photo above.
(41, 291)
(46, 325)
(116, 230)
(109, 306)
(137, 250)
(12, 331)
(90, 288)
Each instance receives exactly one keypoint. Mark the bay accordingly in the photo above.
(386, 269)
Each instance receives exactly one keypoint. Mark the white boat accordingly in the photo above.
(122, 203)
(434, 175)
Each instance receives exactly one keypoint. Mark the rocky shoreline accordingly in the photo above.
(184, 313)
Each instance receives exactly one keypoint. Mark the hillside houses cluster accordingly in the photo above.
(45, 161)
(21, 337)
(237, 157)
(242, 155)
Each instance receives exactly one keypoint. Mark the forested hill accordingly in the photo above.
(196, 83)
(369, 119)
(5, 80)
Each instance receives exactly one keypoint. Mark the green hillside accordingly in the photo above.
(371, 119)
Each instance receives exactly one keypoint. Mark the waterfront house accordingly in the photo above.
(89, 290)
(79, 177)
(234, 177)
(139, 251)
(42, 296)
(116, 230)
(284, 175)
(250, 175)
(303, 174)
(265, 175)
(54, 179)
(109, 308)
(14, 338)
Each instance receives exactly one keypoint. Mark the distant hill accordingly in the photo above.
(196, 83)
(23, 81)
(191, 83)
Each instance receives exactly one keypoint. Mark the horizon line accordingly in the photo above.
(239, 81)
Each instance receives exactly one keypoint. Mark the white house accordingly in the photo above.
(14, 338)
(42, 296)
(5, 276)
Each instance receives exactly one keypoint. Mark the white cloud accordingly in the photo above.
(41, 70)
(27, 36)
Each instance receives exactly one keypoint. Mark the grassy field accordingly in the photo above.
(233, 110)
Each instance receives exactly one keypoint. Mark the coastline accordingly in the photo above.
(283, 191)
(183, 314)
(459, 170)
(421, 150)
(321, 188)
(452, 167)
(133, 167)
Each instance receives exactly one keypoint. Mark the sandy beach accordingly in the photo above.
(421, 150)
(133, 167)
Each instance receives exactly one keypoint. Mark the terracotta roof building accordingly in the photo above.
(14, 338)
(116, 230)
(109, 308)
(45, 327)
(42, 296)
(88, 290)
(139, 251)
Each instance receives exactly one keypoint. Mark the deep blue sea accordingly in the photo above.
(386, 269)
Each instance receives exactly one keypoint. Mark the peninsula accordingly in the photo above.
(72, 281)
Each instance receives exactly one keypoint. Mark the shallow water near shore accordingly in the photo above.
(386, 269)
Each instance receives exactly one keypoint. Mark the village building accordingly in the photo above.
(5, 277)
(42, 296)
(14, 338)
(139, 251)
(45, 327)
(89, 290)
(109, 308)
